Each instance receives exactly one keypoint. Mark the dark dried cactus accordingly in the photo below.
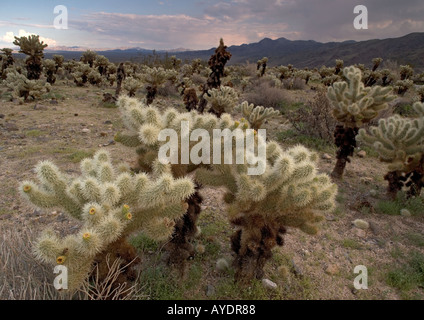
(217, 64)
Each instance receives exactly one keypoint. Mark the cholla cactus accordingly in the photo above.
(376, 63)
(354, 105)
(406, 72)
(386, 77)
(88, 57)
(217, 64)
(400, 142)
(256, 115)
(102, 64)
(285, 72)
(339, 66)
(131, 85)
(59, 60)
(261, 66)
(420, 92)
(81, 73)
(289, 194)
(32, 47)
(327, 72)
(24, 89)
(6, 61)
(50, 70)
(110, 205)
(222, 100)
(95, 78)
(155, 78)
(144, 125)
(402, 86)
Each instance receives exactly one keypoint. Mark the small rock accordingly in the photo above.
(76, 114)
(373, 193)
(103, 134)
(354, 291)
(203, 208)
(108, 122)
(296, 270)
(374, 228)
(268, 284)
(366, 180)
(361, 233)
(332, 269)
(85, 130)
(8, 126)
(40, 107)
(326, 156)
(405, 213)
(362, 154)
(210, 290)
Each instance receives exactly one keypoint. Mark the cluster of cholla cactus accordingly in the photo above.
(32, 47)
(289, 194)
(354, 105)
(217, 64)
(256, 115)
(110, 203)
(24, 89)
(400, 143)
(222, 100)
(144, 124)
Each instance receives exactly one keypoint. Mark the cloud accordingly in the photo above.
(9, 37)
(172, 31)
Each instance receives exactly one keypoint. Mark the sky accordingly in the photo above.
(197, 24)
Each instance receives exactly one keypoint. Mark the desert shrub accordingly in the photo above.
(264, 94)
(168, 90)
(315, 118)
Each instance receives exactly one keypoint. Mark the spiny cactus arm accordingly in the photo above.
(52, 192)
(131, 141)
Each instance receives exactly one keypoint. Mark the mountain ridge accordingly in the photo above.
(408, 49)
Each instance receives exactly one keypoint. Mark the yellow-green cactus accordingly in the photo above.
(355, 105)
(222, 100)
(400, 143)
(110, 205)
(256, 115)
(291, 193)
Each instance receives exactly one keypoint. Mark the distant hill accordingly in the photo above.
(405, 50)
